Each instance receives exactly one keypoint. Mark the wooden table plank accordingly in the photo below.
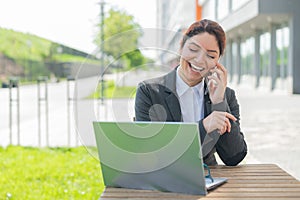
(262, 185)
(232, 177)
(251, 194)
(267, 182)
(258, 189)
(245, 181)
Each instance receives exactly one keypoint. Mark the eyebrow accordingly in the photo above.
(208, 50)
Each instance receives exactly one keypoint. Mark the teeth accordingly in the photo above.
(197, 68)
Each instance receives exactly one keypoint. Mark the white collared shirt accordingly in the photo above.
(191, 99)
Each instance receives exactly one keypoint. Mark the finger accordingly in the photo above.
(220, 74)
(218, 71)
(219, 77)
(221, 67)
(230, 116)
(223, 130)
(222, 125)
(214, 79)
(217, 123)
(228, 125)
(212, 85)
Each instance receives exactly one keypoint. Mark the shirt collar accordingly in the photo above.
(200, 87)
(182, 87)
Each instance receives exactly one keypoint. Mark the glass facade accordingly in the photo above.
(265, 44)
(234, 65)
(282, 44)
(259, 41)
(219, 9)
(254, 54)
(247, 54)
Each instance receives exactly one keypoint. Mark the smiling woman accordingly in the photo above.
(196, 91)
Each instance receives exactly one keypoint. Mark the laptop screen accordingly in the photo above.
(164, 156)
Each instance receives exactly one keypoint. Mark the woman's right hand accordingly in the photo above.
(218, 120)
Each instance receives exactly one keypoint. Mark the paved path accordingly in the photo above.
(271, 123)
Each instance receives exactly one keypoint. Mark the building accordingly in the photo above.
(262, 38)
(173, 17)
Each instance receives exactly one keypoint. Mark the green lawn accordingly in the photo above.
(49, 173)
(112, 91)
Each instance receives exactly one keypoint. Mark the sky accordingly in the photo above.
(69, 22)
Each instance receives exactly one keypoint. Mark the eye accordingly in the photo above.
(212, 57)
(193, 50)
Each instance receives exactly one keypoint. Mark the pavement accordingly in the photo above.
(271, 124)
(269, 120)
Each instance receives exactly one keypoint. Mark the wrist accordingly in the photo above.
(217, 101)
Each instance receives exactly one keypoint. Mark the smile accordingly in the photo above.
(196, 68)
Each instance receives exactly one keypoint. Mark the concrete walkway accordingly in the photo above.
(271, 124)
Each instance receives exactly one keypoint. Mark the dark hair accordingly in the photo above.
(208, 26)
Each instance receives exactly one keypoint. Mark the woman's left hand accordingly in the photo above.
(217, 83)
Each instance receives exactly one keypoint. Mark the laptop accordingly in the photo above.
(163, 156)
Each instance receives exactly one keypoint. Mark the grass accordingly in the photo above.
(49, 173)
(18, 45)
(113, 91)
(24, 46)
(33, 53)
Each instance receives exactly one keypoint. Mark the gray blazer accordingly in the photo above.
(157, 100)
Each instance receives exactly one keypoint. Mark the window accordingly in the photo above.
(282, 44)
(247, 54)
(265, 43)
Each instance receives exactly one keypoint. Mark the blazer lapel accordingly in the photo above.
(171, 98)
(207, 101)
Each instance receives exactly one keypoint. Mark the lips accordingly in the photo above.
(196, 68)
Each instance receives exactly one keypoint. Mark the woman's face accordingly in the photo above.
(199, 55)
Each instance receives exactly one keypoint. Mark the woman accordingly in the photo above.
(196, 91)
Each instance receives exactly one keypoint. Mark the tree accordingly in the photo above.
(121, 34)
(135, 58)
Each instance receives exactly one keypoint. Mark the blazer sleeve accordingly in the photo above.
(142, 103)
(231, 146)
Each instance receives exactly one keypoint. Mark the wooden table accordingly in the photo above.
(254, 181)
